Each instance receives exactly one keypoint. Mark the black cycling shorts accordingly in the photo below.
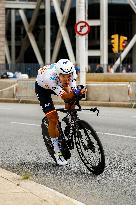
(44, 97)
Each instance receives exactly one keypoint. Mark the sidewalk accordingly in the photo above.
(16, 191)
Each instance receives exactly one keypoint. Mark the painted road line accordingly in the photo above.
(5, 108)
(23, 123)
(103, 133)
(113, 134)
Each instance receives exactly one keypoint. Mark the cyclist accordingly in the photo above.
(60, 79)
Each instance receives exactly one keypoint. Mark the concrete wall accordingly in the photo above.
(8, 88)
(108, 92)
(5, 83)
(2, 31)
(104, 91)
(108, 77)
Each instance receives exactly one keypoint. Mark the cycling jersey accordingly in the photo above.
(47, 78)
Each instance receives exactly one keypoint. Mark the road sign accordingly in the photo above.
(82, 28)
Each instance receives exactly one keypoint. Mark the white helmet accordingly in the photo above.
(65, 66)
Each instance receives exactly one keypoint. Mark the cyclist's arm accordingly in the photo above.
(64, 93)
(67, 89)
(79, 92)
(67, 105)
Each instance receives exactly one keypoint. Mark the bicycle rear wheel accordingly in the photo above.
(89, 148)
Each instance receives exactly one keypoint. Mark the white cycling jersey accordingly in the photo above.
(47, 78)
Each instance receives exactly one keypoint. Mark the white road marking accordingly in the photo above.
(113, 134)
(23, 123)
(5, 108)
(103, 133)
(133, 116)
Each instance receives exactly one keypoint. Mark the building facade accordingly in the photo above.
(2, 32)
(121, 20)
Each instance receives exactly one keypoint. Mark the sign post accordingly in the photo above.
(82, 28)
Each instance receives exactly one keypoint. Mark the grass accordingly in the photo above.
(26, 176)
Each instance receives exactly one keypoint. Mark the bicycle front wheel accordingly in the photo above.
(90, 148)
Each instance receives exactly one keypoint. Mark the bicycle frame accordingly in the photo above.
(73, 124)
(70, 124)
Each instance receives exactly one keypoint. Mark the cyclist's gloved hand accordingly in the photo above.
(80, 87)
(80, 92)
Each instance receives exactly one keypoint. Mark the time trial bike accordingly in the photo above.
(80, 134)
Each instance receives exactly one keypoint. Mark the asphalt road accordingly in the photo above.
(22, 150)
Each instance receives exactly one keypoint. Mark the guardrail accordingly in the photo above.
(132, 93)
(25, 89)
(103, 92)
(9, 92)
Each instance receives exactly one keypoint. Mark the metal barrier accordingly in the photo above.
(132, 93)
(104, 92)
(25, 89)
(9, 92)
(108, 92)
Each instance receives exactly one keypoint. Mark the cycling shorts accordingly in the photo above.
(44, 97)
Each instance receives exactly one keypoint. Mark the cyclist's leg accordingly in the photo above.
(52, 117)
(44, 96)
(53, 131)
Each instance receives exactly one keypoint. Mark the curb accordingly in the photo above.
(48, 195)
(82, 103)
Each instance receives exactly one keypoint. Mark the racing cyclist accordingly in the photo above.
(59, 79)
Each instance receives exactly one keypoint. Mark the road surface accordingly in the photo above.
(22, 150)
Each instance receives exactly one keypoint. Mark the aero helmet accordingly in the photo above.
(65, 66)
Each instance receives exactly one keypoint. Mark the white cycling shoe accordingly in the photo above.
(60, 159)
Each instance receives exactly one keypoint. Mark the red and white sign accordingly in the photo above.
(82, 28)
